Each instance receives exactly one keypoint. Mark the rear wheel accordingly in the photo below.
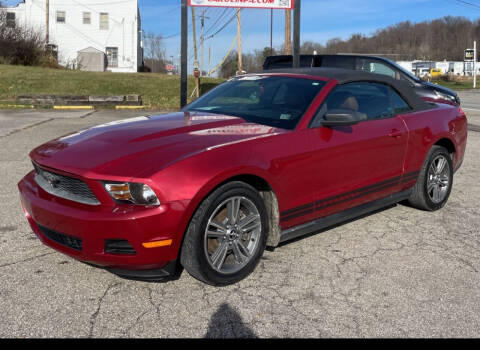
(435, 181)
(226, 236)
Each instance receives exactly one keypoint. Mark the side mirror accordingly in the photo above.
(343, 117)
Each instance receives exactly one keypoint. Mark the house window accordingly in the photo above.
(11, 19)
(60, 16)
(103, 21)
(112, 56)
(87, 18)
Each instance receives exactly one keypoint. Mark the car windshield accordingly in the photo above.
(277, 101)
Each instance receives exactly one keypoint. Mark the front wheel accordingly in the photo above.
(435, 181)
(227, 235)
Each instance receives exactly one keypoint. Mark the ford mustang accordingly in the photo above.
(259, 160)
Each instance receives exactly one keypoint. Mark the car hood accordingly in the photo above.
(142, 145)
(439, 88)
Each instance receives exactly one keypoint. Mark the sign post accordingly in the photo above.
(183, 59)
(474, 64)
(470, 56)
(296, 35)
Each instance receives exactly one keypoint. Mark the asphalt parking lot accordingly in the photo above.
(471, 105)
(400, 272)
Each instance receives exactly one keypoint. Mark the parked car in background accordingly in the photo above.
(259, 160)
(435, 72)
(372, 64)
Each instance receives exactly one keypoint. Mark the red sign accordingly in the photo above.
(261, 4)
(170, 67)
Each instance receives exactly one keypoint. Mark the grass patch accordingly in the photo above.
(158, 91)
(456, 85)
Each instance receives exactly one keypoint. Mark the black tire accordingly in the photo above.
(193, 256)
(420, 197)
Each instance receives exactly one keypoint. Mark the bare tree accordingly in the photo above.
(154, 52)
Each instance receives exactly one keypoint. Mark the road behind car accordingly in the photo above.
(399, 272)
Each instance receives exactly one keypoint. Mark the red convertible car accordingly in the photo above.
(258, 160)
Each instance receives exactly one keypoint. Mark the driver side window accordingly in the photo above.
(371, 99)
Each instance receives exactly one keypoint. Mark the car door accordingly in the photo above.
(360, 163)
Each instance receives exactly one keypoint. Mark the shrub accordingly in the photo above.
(19, 45)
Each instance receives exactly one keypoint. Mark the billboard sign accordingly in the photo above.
(469, 55)
(260, 4)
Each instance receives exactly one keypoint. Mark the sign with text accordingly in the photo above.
(469, 54)
(262, 4)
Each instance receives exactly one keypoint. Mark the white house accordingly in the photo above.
(111, 27)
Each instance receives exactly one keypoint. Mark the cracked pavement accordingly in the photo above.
(398, 272)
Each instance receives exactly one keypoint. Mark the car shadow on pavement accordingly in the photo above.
(227, 323)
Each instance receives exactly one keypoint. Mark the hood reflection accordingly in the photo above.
(242, 129)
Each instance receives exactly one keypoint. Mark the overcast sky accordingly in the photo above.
(321, 20)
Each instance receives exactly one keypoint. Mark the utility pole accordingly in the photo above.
(288, 32)
(296, 35)
(202, 41)
(184, 53)
(47, 11)
(209, 59)
(239, 35)
(195, 63)
(271, 31)
(475, 64)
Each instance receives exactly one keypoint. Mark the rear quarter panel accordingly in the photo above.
(426, 128)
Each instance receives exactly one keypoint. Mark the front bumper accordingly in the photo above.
(58, 222)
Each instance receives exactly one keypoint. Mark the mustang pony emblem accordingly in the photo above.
(52, 179)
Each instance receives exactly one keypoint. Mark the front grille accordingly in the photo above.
(65, 187)
(60, 238)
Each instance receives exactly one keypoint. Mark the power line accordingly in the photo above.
(171, 11)
(224, 12)
(96, 11)
(190, 28)
(224, 26)
(468, 3)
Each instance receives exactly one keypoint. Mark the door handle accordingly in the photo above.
(395, 133)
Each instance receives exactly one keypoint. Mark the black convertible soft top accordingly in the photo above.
(344, 76)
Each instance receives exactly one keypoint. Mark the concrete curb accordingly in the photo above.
(131, 107)
(17, 106)
(72, 107)
(80, 100)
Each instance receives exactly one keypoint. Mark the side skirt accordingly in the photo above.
(346, 215)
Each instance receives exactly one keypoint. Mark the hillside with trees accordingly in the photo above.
(437, 40)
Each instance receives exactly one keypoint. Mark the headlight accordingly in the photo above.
(133, 192)
(445, 96)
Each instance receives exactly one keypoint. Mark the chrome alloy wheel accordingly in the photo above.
(438, 179)
(232, 235)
